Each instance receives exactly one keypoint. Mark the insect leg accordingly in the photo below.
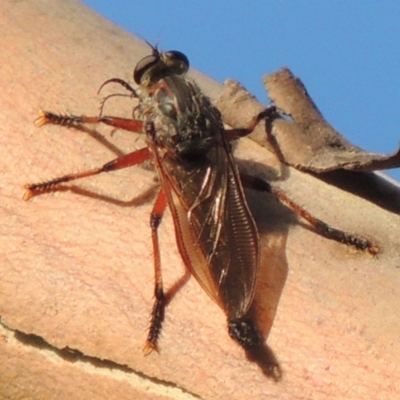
(268, 113)
(47, 117)
(121, 82)
(319, 226)
(158, 311)
(127, 160)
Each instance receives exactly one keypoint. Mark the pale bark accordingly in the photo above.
(76, 270)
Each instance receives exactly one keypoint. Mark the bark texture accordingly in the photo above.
(76, 274)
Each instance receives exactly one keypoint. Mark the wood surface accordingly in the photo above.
(76, 274)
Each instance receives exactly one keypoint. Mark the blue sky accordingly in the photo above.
(347, 53)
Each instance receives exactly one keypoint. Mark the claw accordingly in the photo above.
(149, 348)
(28, 194)
(42, 119)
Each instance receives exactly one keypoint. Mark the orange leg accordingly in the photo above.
(319, 226)
(258, 184)
(136, 157)
(47, 117)
(158, 311)
(268, 113)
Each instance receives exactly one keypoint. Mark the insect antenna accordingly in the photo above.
(154, 48)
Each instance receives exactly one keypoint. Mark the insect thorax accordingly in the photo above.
(184, 120)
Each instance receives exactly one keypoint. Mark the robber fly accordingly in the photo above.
(199, 182)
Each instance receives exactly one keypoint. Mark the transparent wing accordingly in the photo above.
(215, 231)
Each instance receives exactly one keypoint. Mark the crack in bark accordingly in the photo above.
(74, 355)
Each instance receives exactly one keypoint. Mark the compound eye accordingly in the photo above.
(143, 66)
(177, 62)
